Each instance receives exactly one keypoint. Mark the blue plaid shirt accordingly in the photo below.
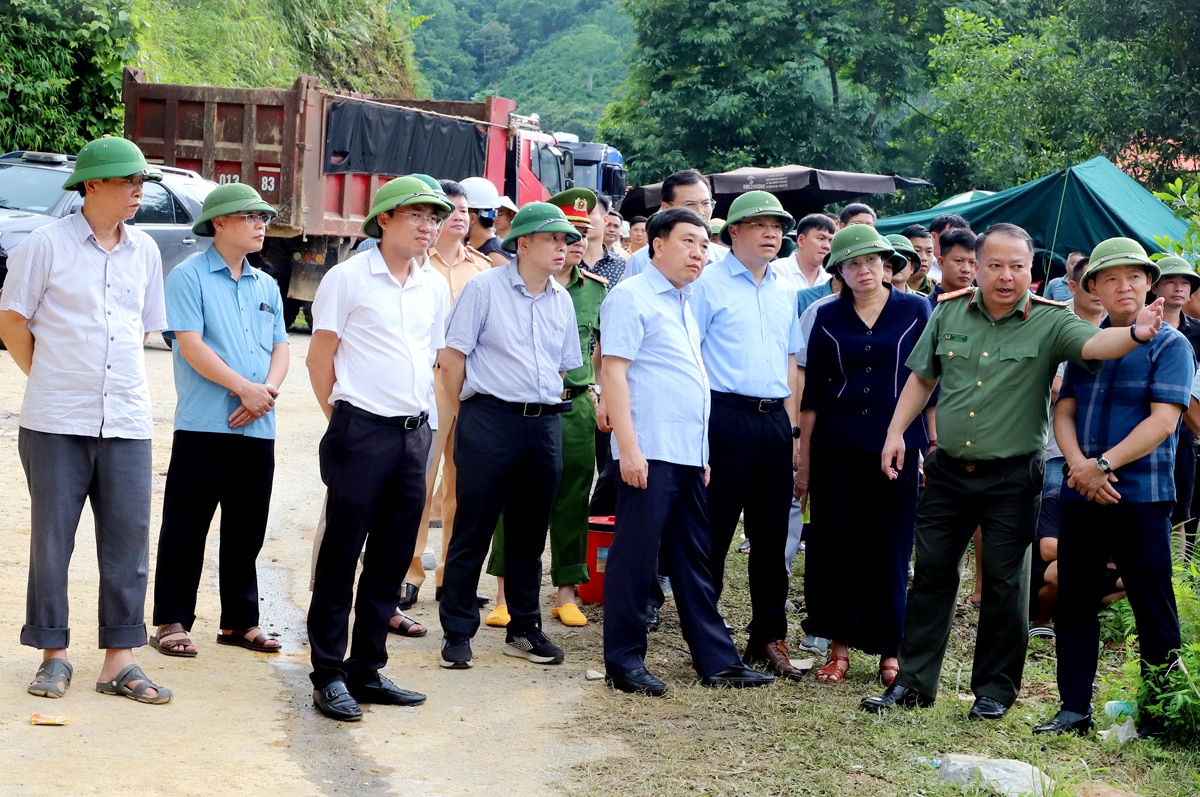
(1115, 400)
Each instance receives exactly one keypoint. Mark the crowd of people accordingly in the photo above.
(877, 401)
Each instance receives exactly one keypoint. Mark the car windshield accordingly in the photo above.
(27, 188)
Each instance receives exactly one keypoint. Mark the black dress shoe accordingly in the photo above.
(483, 600)
(638, 681)
(653, 618)
(896, 696)
(335, 702)
(385, 693)
(1068, 722)
(738, 676)
(408, 596)
(987, 708)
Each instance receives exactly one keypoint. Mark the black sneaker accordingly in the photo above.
(456, 653)
(532, 645)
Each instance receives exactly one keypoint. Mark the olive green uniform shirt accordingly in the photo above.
(587, 291)
(995, 374)
(926, 287)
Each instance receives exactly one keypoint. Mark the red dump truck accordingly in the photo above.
(319, 156)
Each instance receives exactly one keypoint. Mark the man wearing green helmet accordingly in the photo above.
(230, 357)
(993, 349)
(379, 321)
(82, 294)
(1116, 429)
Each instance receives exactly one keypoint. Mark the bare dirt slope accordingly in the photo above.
(243, 722)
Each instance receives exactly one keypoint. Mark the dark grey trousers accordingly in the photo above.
(114, 475)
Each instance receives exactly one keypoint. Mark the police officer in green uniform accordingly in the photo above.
(994, 349)
(569, 518)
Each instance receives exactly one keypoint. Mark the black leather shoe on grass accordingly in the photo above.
(639, 681)
(1068, 722)
(896, 696)
(738, 676)
(987, 708)
(336, 702)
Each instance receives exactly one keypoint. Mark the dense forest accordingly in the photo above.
(983, 94)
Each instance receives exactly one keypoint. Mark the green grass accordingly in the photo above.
(810, 738)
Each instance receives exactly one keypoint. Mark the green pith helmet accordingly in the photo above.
(751, 205)
(109, 157)
(715, 226)
(856, 240)
(429, 181)
(787, 248)
(904, 252)
(538, 217)
(1117, 252)
(402, 191)
(231, 198)
(1175, 266)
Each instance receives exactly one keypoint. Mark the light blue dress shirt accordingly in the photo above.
(1058, 290)
(516, 344)
(639, 261)
(807, 297)
(240, 321)
(646, 320)
(747, 330)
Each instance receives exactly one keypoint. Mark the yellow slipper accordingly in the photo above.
(498, 618)
(569, 614)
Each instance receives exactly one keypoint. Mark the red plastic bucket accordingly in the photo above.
(600, 537)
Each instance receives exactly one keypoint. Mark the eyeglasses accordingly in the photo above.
(693, 205)
(253, 219)
(864, 263)
(769, 226)
(419, 218)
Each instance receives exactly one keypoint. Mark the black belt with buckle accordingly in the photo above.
(747, 402)
(408, 422)
(984, 465)
(571, 392)
(530, 410)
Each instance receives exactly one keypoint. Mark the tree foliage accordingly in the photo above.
(60, 76)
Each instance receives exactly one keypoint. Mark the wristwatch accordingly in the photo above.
(795, 432)
(1103, 465)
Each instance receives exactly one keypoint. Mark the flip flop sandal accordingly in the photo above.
(258, 643)
(52, 678)
(120, 686)
(833, 672)
(168, 647)
(407, 626)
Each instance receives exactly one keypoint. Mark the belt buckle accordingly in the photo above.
(765, 405)
(969, 467)
(412, 422)
(566, 394)
(526, 413)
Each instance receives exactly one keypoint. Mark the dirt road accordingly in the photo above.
(243, 722)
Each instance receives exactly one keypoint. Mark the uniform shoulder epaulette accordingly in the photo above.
(475, 253)
(596, 277)
(1051, 302)
(955, 294)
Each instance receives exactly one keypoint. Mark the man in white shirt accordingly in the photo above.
(379, 317)
(82, 292)
(803, 267)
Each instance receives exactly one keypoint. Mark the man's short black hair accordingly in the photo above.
(957, 236)
(1003, 228)
(855, 208)
(1080, 266)
(452, 188)
(604, 202)
(616, 213)
(678, 179)
(916, 231)
(948, 220)
(662, 222)
(816, 221)
(637, 220)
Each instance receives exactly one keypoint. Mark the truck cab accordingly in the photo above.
(597, 166)
(538, 168)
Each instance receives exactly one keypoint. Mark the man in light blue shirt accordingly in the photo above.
(687, 189)
(225, 318)
(746, 314)
(511, 336)
(657, 395)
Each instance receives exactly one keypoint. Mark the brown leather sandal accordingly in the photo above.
(257, 643)
(834, 671)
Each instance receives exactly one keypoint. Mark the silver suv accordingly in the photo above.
(31, 196)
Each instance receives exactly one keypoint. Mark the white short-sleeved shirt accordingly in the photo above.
(89, 311)
(388, 333)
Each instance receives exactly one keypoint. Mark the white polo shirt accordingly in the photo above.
(89, 311)
(389, 334)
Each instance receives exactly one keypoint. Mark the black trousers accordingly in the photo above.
(210, 469)
(608, 473)
(750, 453)
(1138, 537)
(1004, 497)
(663, 525)
(511, 464)
(375, 473)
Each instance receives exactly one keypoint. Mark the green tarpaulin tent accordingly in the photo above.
(1068, 211)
